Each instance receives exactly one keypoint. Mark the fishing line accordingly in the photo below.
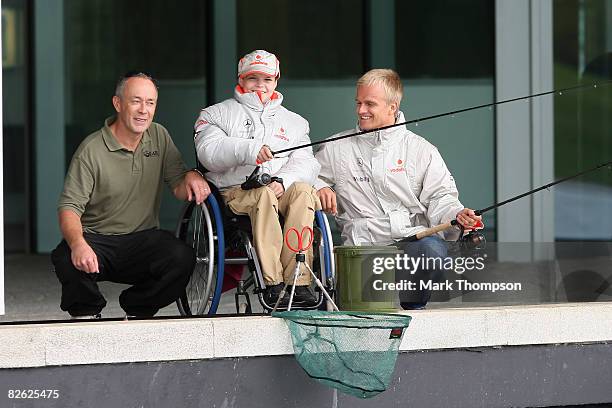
(477, 239)
(479, 212)
(439, 115)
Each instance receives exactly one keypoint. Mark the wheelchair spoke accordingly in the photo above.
(195, 228)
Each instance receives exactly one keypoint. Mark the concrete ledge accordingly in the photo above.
(37, 345)
(511, 325)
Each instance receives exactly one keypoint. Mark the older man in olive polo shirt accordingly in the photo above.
(109, 210)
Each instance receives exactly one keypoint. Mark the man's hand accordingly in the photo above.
(264, 155)
(82, 255)
(468, 218)
(277, 188)
(193, 188)
(84, 258)
(328, 200)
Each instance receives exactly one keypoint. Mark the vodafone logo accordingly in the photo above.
(281, 134)
(258, 61)
(400, 168)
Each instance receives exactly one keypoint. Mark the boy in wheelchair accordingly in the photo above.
(234, 140)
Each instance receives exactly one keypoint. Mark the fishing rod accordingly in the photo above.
(439, 115)
(476, 239)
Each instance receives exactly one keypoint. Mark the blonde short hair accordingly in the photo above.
(388, 79)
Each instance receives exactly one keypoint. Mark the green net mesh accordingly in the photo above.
(354, 352)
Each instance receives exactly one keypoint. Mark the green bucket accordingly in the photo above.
(356, 280)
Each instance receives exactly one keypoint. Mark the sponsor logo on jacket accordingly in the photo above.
(201, 122)
(399, 168)
(361, 179)
(281, 134)
(247, 129)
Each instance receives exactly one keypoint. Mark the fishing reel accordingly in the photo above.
(256, 180)
(474, 240)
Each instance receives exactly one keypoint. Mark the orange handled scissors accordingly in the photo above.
(301, 247)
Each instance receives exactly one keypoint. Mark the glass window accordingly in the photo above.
(15, 125)
(106, 38)
(583, 118)
(314, 39)
(445, 54)
(320, 46)
(445, 38)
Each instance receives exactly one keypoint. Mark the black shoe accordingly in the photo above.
(272, 292)
(412, 305)
(303, 295)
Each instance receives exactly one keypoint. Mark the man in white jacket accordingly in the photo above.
(390, 184)
(237, 135)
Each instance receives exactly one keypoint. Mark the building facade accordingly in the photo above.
(61, 59)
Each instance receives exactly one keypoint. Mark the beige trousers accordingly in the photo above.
(297, 205)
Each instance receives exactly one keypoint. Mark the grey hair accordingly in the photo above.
(123, 80)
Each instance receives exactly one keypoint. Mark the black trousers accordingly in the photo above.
(156, 263)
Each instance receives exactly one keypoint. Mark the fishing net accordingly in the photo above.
(354, 352)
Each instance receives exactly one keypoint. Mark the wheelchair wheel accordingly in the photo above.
(326, 249)
(196, 227)
(326, 262)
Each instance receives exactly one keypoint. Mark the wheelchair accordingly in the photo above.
(221, 238)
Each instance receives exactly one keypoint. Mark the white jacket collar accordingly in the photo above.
(382, 137)
(252, 101)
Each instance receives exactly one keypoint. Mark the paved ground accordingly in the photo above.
(32, 292)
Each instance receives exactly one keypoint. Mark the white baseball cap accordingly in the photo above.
(259, 61)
